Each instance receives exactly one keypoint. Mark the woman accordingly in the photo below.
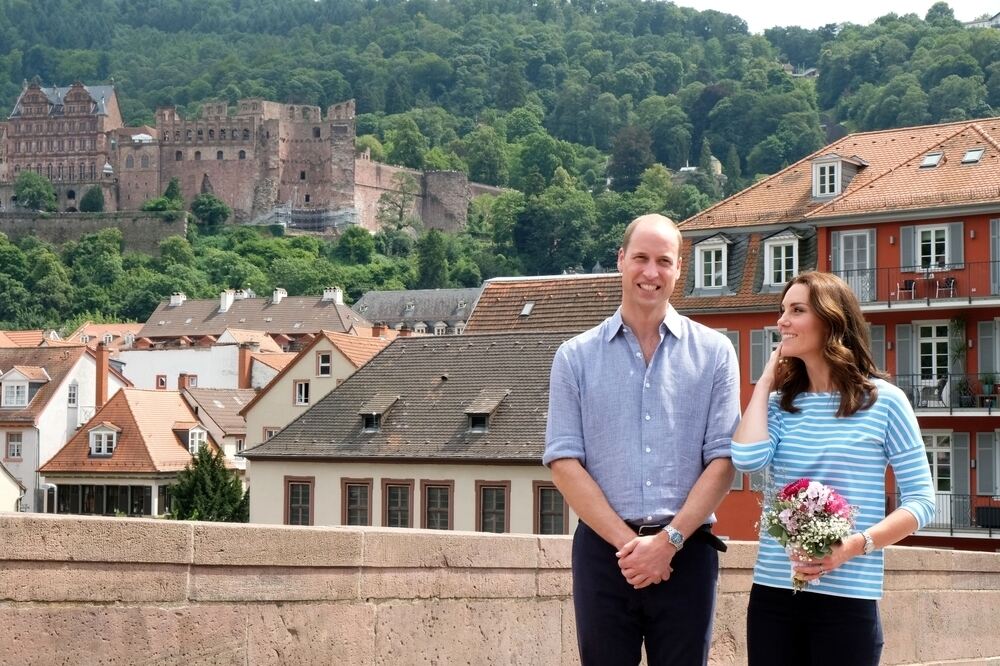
(832, 419)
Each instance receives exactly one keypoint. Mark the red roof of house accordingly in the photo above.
(57, 362)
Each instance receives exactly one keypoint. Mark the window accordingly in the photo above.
(371, 422)
(164, 500)
(550, 514)
(316, 133)
(931, 160)
(440, 328)
(479, 422)
(781, 261)
(197, 154)
(218, 155)
(108, 338)
(15, 394)
(324, 364)
(356, 507)
(102, 442)
(932, 246)
(932, 350)
(299, 500)
(270, 432)
(492, 506)
(192, 381)
(301, 393)
(826, 179)
(437, 512)
(762, 343)
(938, 448)
(397, 498)
(14, 445)
(240, 444)
(129, 162)
(710, 264)
(197, 438)
(144, 161)
(73, 395)
(243, 154)
(302, 175)
(420, 328)
(161, 382)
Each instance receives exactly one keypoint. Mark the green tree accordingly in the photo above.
(432, 261)
(406, 145)
(630, 156)
(486, 154)
(395, 206)
(207, 490)
(356, 245)
(173, 192)
(34, 191)
(210, 210)
(92, 201)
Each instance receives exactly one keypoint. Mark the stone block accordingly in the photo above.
(239, 584)
(555, 552)
(515, 632)
(334, 633)
(570, 651)
(224, 543)
(447, 583)
(555, 583)
(432, 548)
(43, 537)
(86, 581)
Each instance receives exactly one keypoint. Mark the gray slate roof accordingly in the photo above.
(434, 381)
(55, 95)
(294, 315)
(418, 305)
(219, 409)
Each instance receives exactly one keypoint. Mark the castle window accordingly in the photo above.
(246, 135)
(177, 135)
(307, 198)
(218, 154)
(211, 135)
(201, 134)
(145, 161)
(222, 135)
(197, 155)
(187, 135)
(129, 162)
(316, 133)
(178, 156)
(243, 154)
(302, 175)
(232, 134)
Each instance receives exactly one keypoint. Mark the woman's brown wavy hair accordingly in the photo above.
(847, 350)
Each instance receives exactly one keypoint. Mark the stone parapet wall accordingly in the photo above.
(86, 590)
(141, 232)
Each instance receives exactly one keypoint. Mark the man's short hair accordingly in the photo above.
(627, 236)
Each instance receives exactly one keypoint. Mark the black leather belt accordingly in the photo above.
(702, 534)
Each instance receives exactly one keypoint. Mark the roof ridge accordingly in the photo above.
(985, 135)
(848, 195)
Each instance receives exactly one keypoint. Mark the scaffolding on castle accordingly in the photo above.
(308, 219)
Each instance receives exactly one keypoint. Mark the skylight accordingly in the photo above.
(973, 155)
(931, 160)
(528, 307)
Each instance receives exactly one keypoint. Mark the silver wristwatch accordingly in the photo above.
(869, 543)
(674, 536)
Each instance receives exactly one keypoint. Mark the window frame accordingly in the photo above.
(310, 482)
(300, 392)
(15, 385)
(918, 244)
(73, 394)
(701, 250)
(161, 382)
(328, 363)
(482, 485)
(202, 437)
(345, 484)
(825, 185)
(536, 507)
(425, 485)
(106, 449)
(376, 425)
(8, 443)
(274, 430)
(397, 483)
(769, 264)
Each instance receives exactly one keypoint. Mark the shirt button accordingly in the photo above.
(638, 354)
(649, 518)
(648, 449)
(649, 483)
(648, 417)
(647, 384)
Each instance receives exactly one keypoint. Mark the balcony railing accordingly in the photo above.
(960, 513)
(950, 392)
(928, 284)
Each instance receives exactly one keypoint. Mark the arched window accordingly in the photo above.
(93, 170)
(129, 162)
(232, 134)
(316, 133)
(145, 161)
(222, 135)
(177, 135)
(59, 172)
(197, 155)
(218, 154)
(187, 135)
(178, 156)
(71, 195)
(71, 172)
(48, 171)
(246, 135)
(201, 134)
(211, 135)
(243, 154)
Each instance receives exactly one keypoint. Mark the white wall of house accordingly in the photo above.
(24, 468)
(277, 408)
(216, 366)
(229, 447)
(9, 493)
(267, 480)
(261, 374)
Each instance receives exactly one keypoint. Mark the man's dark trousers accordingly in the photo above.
(612, 618)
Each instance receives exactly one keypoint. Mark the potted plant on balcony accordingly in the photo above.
(965, 396)
(988, 380)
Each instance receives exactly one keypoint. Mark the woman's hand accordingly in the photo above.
(771, 367)
(812, 568)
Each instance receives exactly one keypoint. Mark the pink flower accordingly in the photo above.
(793, 488)
(837, 505)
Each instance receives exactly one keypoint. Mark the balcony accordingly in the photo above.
(968, 515)
(950, 394)
(916, 287)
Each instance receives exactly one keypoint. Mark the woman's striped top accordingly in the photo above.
(849, 454)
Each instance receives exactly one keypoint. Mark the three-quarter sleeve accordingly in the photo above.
(755, 456)
(564, 430)
(906, 453)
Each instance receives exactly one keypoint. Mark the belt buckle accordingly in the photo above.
(649, 530)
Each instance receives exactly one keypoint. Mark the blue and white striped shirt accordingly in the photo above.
(849, 454)
(644, 433)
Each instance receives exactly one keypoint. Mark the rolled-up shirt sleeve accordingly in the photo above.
(724, 406)
(908, 457)
(564, 431)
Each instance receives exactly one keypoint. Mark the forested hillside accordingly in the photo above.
(582, 108)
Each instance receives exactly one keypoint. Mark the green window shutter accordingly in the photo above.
(734, 337)
(758, 353)
(956, 245)
(987, 346)
(878, 345)
(985, 463)
(834, 251)
(960, 463)
(994, 257)
(907, 249)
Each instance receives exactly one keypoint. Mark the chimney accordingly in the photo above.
(378, 328)
(182, 381)
(177, 298)
(335, 294)
(405, 331)
(226, 300)
(103, 371)
(279, 294)
(244, 375)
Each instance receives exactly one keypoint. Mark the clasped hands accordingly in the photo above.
(645, 560)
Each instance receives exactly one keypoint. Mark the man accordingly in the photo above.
(642, 409)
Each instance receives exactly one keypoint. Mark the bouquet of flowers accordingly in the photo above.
(809, 517)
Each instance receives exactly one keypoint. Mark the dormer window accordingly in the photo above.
(973, 155)
(479, 422)
(931, 160)
(129, 339)
(711, 263)
(108, 338)
(372, 411)
(15, 394)
(197, 438)
(482, 408)
(421, 327)
(371, 422)
(781, 260)
(440, 328)
(103, 440)
(84, 338)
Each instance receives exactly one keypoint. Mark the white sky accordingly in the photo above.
(761, 14)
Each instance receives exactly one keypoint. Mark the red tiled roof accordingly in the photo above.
(26, 338)
(96, 333)
(276, 361)
(57, 361)
(146, 443)
(891, 180)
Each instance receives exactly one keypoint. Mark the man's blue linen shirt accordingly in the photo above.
(644, 434)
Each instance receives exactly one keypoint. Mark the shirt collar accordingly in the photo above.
(672, 321)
